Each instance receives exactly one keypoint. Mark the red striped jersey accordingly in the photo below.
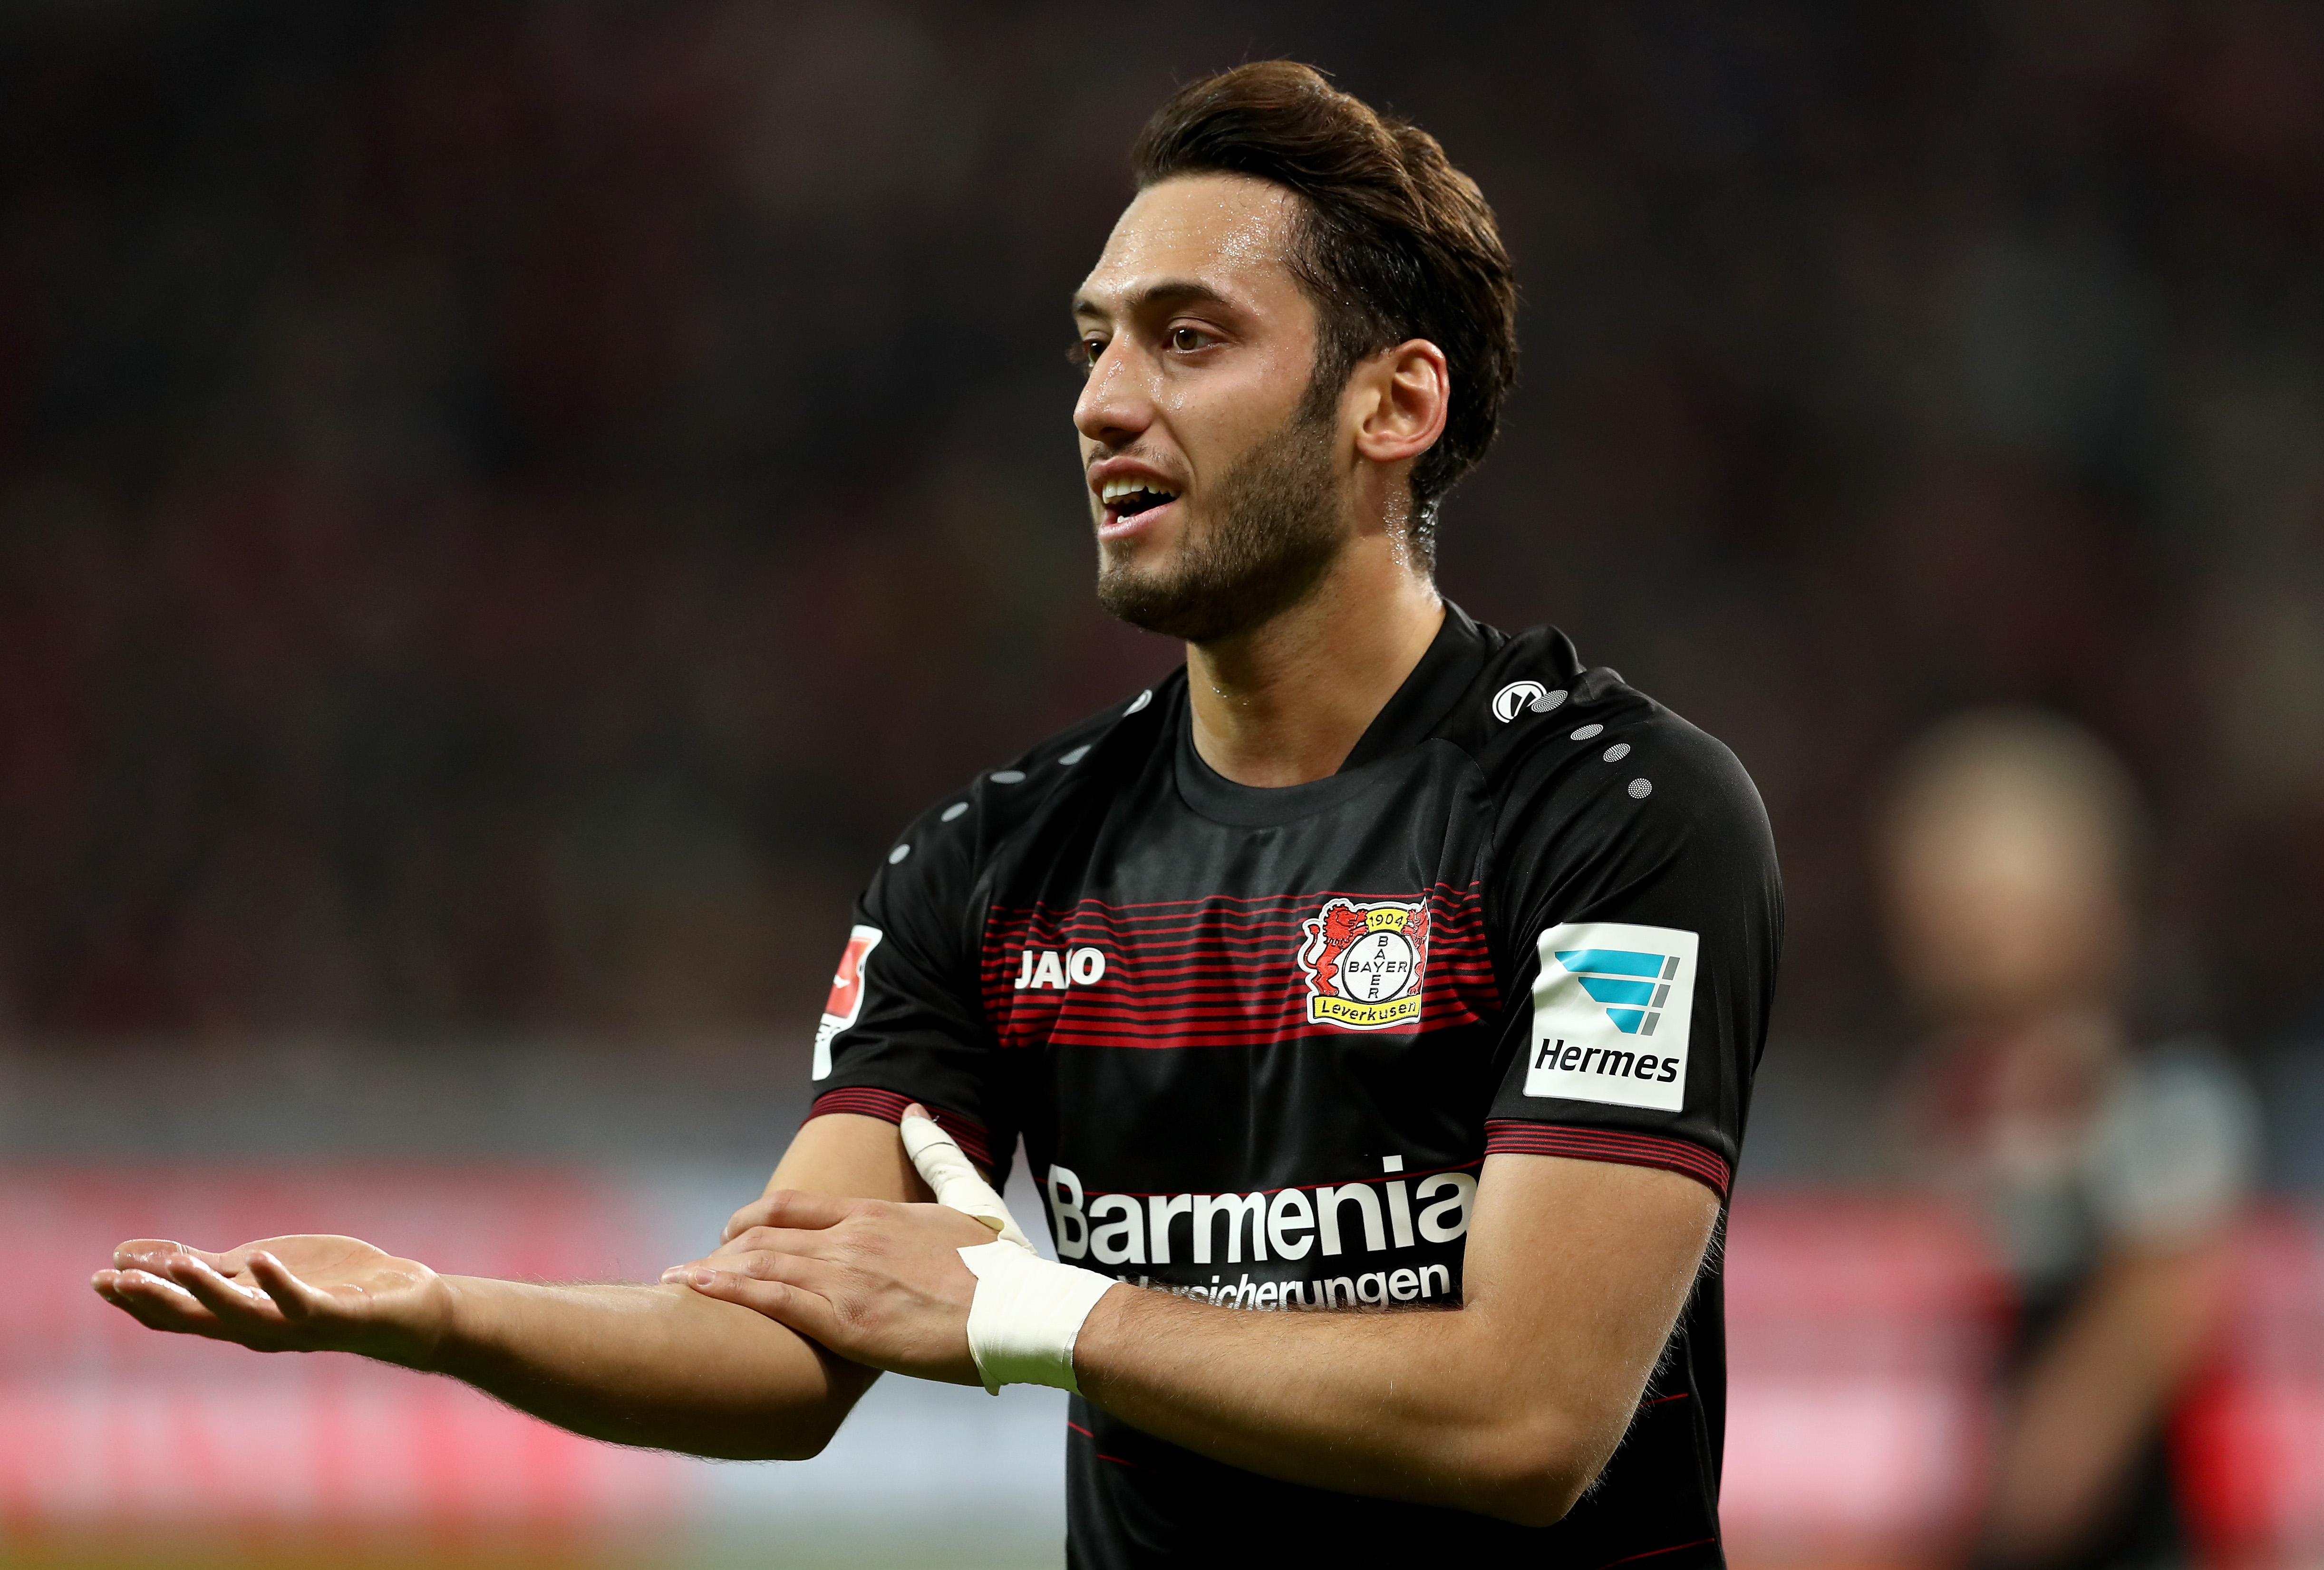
(1258, 1042)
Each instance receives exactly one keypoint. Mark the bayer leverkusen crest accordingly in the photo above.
(1363, 963)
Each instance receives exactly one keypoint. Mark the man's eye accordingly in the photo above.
(1187, 340)
(1082, 356)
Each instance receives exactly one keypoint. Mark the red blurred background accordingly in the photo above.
(505, 507)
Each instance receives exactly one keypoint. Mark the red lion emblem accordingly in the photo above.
(1364, 963)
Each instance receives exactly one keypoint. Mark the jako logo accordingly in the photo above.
(1519, 696)
(1363, 963)
(1052, 969)
(1606, 990)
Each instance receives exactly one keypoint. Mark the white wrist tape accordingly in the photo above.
(1027, 1310)
(957, 1183)
(1026, 1315)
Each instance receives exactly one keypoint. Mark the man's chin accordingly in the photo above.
(1198, 608)
(1156, 603)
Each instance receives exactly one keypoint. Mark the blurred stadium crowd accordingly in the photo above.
(505, 507)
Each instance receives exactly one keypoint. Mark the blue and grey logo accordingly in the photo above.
(1613, 1005)
(1632, 985)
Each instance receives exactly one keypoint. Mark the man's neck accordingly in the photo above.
(1286, 702)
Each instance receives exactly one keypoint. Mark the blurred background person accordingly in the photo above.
(2110, 1174)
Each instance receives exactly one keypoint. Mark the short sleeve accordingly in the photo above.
(904, 1021)
(2172, 1158)
(1637, 900)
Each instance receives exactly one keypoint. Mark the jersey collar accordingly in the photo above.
(1456, 658)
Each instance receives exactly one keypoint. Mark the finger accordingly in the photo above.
(155, 1303)
(143, 1287)
(820, 1244)
(785, 1304)
(754, 1214)
(791, 1208)
(954, 1178)
(294, 1299)
(150, 1254)
(239, 1308)
(144, 1247)
(818, 1276)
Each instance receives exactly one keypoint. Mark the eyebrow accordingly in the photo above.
(1167, 291)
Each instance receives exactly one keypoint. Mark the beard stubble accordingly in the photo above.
(1277, 533)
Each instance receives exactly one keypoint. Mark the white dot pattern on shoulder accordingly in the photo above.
(1009, 777)
(1548, 701)
(1587, 731)
(1615, 753)
(1642, 788)
(1075, 756)
(1140, 701)
(955, 810)
(897, 854)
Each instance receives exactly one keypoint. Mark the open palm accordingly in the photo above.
(284, 1294)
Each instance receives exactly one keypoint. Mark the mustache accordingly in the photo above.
(1134, 452)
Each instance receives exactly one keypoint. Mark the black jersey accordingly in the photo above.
(1259, 1043)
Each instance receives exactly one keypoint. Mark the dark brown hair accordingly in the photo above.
(1393, 242)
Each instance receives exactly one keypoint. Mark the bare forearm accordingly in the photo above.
(1411, 1405)
(669, 1368)
(2097, 1392)
(649, 1366)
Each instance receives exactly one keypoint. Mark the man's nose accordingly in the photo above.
(1114, 407)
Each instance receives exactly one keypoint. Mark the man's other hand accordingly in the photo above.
(285, 1294)
(879, 1283)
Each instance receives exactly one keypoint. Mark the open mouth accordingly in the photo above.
(1128, 498)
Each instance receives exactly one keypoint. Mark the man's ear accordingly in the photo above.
(1402, 396)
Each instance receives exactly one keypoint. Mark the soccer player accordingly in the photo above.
(1377, 998)
(2110, 1176)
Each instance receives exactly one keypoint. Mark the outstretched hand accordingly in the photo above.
(284, 1294)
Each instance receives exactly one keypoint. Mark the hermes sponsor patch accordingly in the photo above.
(1611, 1011)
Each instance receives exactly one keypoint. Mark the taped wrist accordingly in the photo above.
(955, 1179)
(1027, 1314)
(1027, 1311)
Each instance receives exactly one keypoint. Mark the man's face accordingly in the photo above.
(2004, 902)
(1216, 488)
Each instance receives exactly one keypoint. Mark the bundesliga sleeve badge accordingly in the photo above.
(1364, 964)
(1611, 1011)
(846, 1001)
